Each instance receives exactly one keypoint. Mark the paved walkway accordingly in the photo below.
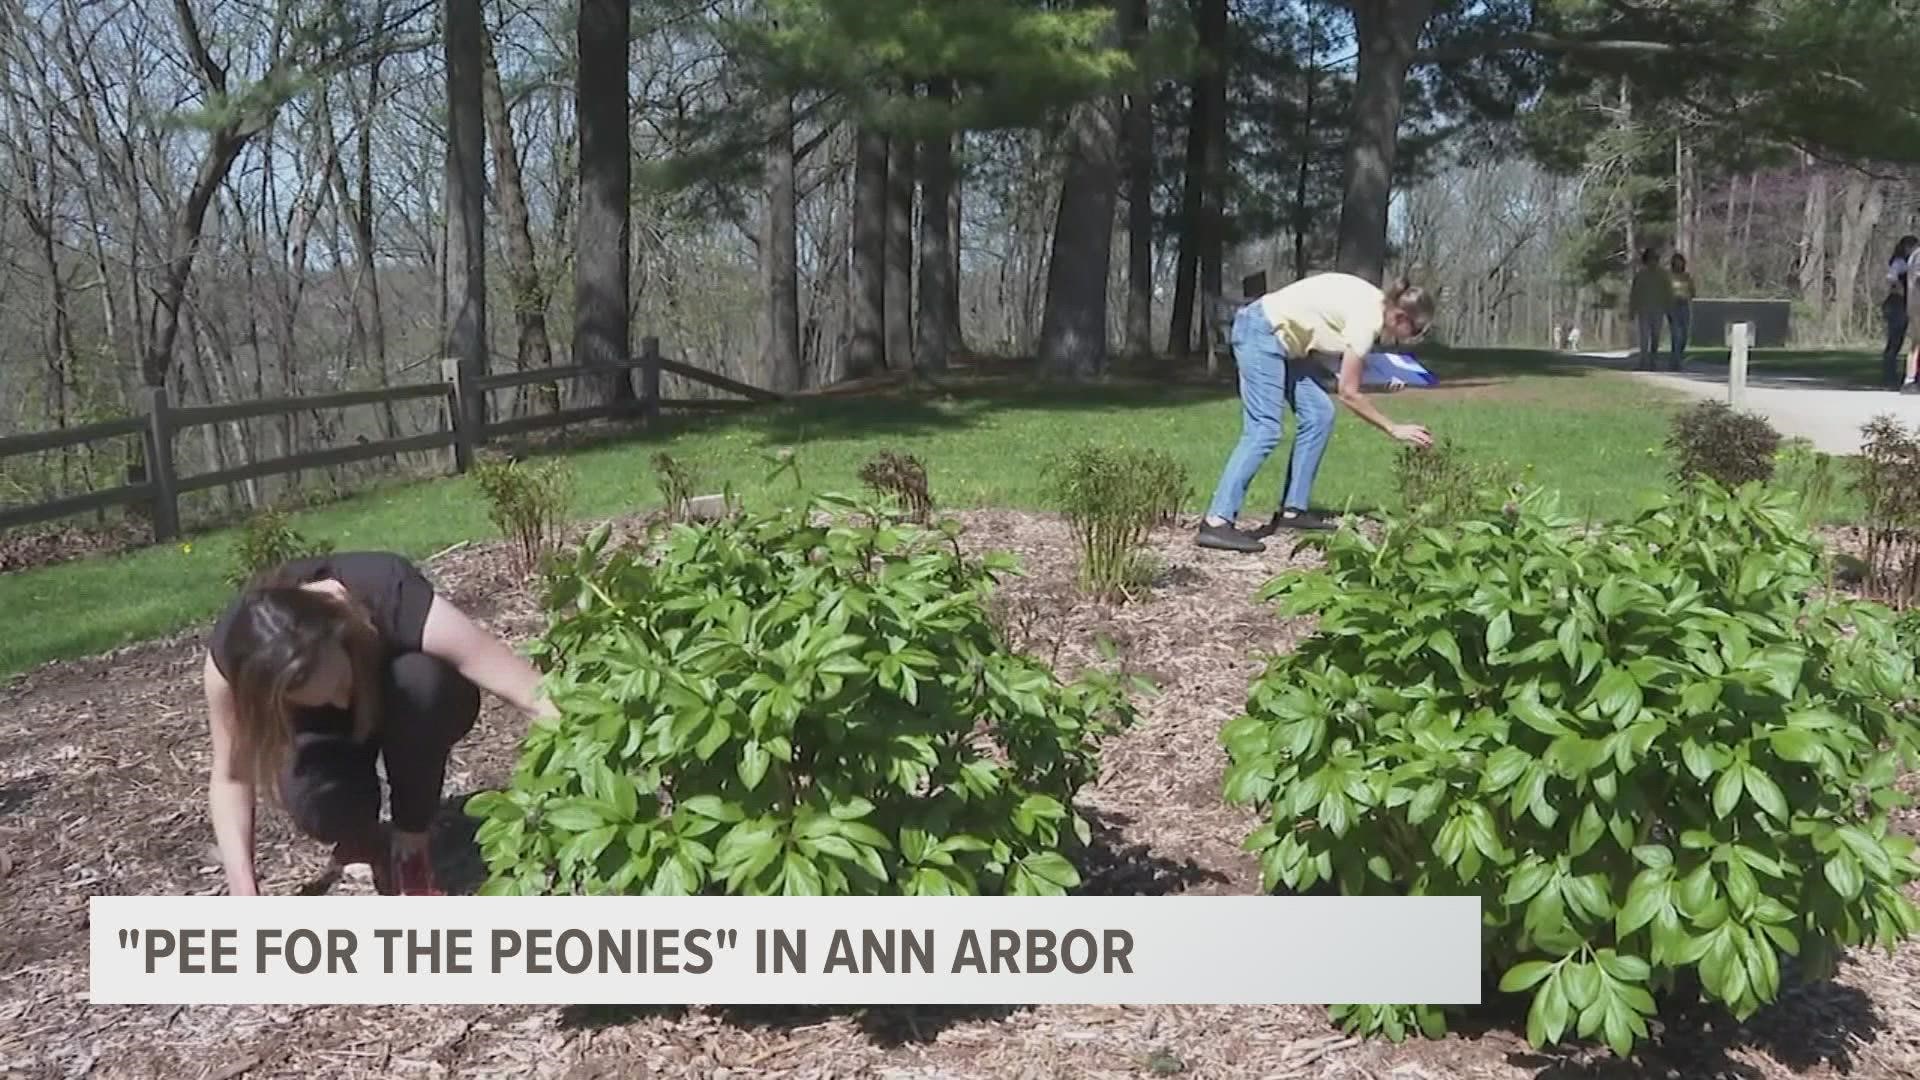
(1829, 416)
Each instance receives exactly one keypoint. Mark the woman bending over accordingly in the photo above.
(324, 667)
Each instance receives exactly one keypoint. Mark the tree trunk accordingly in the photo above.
(780, 255)
(535, 349)
(1386, 32)
(223, 150)
(1139, 138)
(934, 345)
(1746, 229)
(899, 314)
(1860, 211)
(958, 340)
(604, 239)
(466, 201)
(1813, 248)
(1213, 204)
(1302, 223)
(868, 277)
(1193, 186)
(1073, 330)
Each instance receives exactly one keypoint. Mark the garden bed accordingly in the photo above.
(102, 791)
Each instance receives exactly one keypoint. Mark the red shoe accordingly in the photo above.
(413, 874)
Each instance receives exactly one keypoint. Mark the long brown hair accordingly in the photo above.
(278, 638)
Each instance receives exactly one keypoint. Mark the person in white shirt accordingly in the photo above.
(1274, 338)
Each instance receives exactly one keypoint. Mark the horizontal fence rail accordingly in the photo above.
(160, 421)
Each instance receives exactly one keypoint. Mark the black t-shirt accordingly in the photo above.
(395, 593)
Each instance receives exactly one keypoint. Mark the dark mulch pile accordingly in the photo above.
(24, 549)
(102, 791)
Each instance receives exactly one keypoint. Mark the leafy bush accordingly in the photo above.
(1732, 448)
(269, 540)
(1113, 497)
(1885, 477)
(527, 502)
(785, 705)
(1811, 474)
(1440, 483)
(1642, 745)
(677, 483)
(903, 478)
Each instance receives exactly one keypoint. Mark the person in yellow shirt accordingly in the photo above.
(1274, 338)
(1680, 315)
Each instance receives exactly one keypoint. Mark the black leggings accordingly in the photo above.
(330, 788)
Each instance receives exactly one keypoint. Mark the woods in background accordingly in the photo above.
(798, 192)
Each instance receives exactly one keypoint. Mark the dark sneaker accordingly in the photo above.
(1910, 388)
(1299, 521)
(1228, 538)
(413, 874)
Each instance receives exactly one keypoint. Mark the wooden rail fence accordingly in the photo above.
(464, 429)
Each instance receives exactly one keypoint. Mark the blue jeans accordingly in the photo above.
(1266, 382)
(1680, 329)
(1649, 327)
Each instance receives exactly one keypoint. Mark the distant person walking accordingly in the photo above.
(1649, 301)
(1274, 338)
(1680, 315)
(1573, 339)
(1894, 309)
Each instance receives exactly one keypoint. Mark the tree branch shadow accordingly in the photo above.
(1113, 866)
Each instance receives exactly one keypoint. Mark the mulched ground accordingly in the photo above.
(102, 791)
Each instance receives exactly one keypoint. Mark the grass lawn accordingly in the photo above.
(1591, 434)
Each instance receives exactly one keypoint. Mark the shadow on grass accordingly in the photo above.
(964, 400)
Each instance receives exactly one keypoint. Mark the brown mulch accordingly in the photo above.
(102, 791)
(24, 549)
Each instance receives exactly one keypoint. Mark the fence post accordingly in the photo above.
(1739, 335)
(159, 446)
(650, 378)
(459, 417)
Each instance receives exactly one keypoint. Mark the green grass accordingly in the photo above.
(1593, 435)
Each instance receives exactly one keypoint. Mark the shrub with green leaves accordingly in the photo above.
(1441, 483)
(677, 482)
(1714, 441)
(799, 703)
(267, 541)
(1810, 473)
(902, 478)
(1113, 498)
(527, 501)
(1885, 476)
(1642, 745)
